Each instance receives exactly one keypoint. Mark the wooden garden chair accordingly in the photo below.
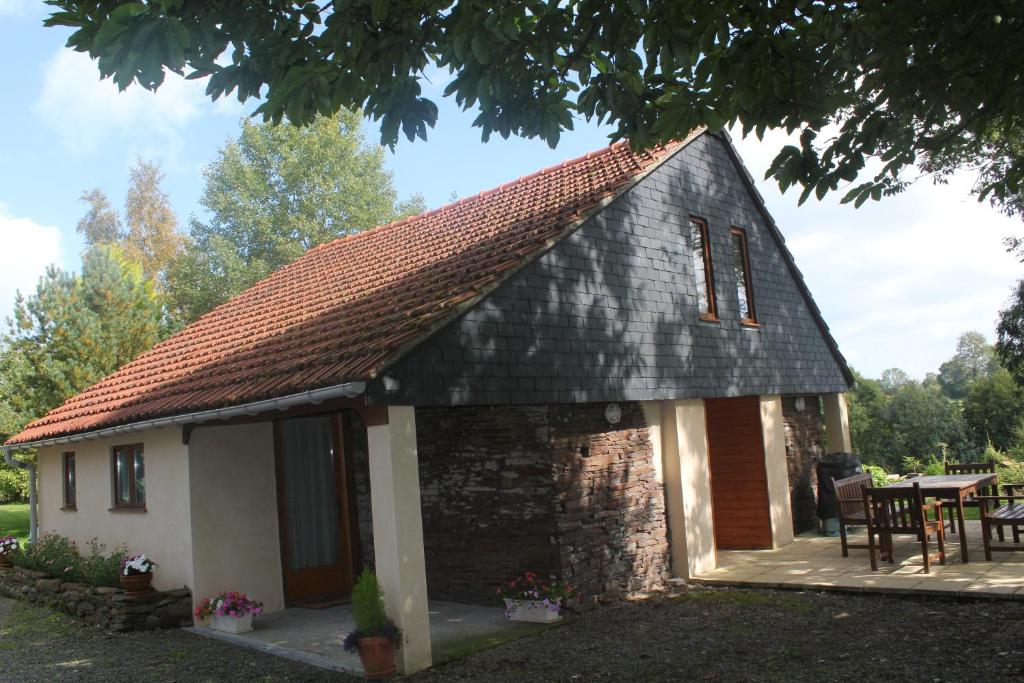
(892, 511)
(994, 513)
(971, 468)
(850, 494)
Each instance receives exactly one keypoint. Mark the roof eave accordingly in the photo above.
(310, 397)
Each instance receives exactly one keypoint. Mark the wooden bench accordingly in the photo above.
(1001, 516)
(850, 494)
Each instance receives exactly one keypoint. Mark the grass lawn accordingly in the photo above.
(14, 520)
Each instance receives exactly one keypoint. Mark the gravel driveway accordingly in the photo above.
(708, 634)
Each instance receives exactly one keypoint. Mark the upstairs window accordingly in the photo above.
(70, 498)
(129, 474)
(741, 268)
(703, 275)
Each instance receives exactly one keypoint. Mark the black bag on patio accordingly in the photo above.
(833, 466)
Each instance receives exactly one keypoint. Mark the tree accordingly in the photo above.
(974, 360)
(73, 331)
(994, 410)
(100, 224)
(872, 437)
(147, 234)
(274, 193)
(152, 239)
(901, 82)
(1010, 334)
(894, 378)
(924, 423)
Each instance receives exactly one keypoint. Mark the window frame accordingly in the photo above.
(748, 282)
(69, 485)
(710, 315)
(133, 504)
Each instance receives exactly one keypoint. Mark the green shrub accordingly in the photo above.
(1011, 472)
(51, 554)
(58, 556)
(879, 477)
(13, 485)
(101, 569)
(368, 603)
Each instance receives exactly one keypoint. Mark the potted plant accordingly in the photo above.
(376, 637)
(136, 574)
(229, 612)
(8, 546)
(529, 598)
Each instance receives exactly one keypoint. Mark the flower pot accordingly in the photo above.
(136, 584)
(229, 624)
(378, 656)
(5, 562)
(533, 610)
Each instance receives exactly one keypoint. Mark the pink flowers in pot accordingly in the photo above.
(230, 604)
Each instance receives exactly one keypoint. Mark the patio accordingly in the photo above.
(314, 636)
(816, 562)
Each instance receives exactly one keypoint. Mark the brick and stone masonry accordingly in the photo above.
(804, 447)
(552, 489)
(107, 608)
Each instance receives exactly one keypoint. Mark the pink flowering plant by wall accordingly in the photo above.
(228, 605)
(8, 545)
(554, 594)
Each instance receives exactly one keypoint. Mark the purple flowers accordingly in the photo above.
(553, 594)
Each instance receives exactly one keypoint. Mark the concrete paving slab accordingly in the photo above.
(315, 636)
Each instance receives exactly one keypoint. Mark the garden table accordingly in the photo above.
(954, 487)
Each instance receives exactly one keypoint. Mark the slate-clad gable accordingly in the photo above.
(610, 312)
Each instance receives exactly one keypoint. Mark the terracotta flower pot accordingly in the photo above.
(5, 561)
(136, 584)
(378, 656)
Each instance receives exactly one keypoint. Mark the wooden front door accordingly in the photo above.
(739, 484)
(314, 507)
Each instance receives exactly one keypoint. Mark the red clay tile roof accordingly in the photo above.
(347, 309)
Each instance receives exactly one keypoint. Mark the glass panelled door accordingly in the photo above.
(314, 508)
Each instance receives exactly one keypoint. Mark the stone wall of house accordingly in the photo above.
(107, 608)
(551, 489)
(487, 494)
(359, 448)
(805, 444)
(611, 527)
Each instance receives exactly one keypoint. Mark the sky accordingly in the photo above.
(897, 281)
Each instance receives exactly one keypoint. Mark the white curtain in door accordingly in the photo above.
(307, 445)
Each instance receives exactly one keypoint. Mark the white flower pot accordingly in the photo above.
(231, 624)
(531, 610)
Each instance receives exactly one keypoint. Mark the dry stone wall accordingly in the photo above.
(804, 447)
(107, 608)
(552, 489)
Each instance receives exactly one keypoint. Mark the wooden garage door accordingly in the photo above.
(739, 485)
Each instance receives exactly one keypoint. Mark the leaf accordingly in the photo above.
(379, 10)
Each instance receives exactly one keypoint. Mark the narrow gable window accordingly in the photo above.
(741, 268)
(703, 275)
(129, 475)
(70, 498)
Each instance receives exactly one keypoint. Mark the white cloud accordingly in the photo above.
(28, 249)
(897, 280)
(89, 114)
